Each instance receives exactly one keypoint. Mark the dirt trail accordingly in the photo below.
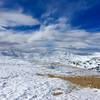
(84, 81)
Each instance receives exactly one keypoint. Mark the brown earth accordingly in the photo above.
(84, 81)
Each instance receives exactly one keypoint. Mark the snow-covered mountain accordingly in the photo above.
(24, 71)
(20, 80)
(63, 56)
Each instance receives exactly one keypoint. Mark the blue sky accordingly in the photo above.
(75, 21)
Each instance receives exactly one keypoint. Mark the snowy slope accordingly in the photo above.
(60, 56)
(19, 81)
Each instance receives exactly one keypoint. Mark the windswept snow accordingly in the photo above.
(19, 80)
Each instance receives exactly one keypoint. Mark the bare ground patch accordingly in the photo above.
(84, 81)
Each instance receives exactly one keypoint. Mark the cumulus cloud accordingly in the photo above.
(10, 36)
(60, 35)
(15, 18)
(45, 32)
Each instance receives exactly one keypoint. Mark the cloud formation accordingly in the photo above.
(56, 35)
(59, 34)
(62, 36)
(16, 18)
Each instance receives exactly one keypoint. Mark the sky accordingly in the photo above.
(71, 24)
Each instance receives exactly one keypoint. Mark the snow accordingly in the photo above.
(19, 80)
(84, 94)
(63, 56)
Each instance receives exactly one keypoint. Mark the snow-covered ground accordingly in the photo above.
(20, 80)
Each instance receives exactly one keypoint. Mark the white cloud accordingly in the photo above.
(58, 35)
(9, 36)
(45, 32)
(75, 38)
(14, 18)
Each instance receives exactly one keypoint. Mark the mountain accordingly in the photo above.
(42, 54)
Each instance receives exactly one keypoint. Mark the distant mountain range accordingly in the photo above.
(91, 62)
